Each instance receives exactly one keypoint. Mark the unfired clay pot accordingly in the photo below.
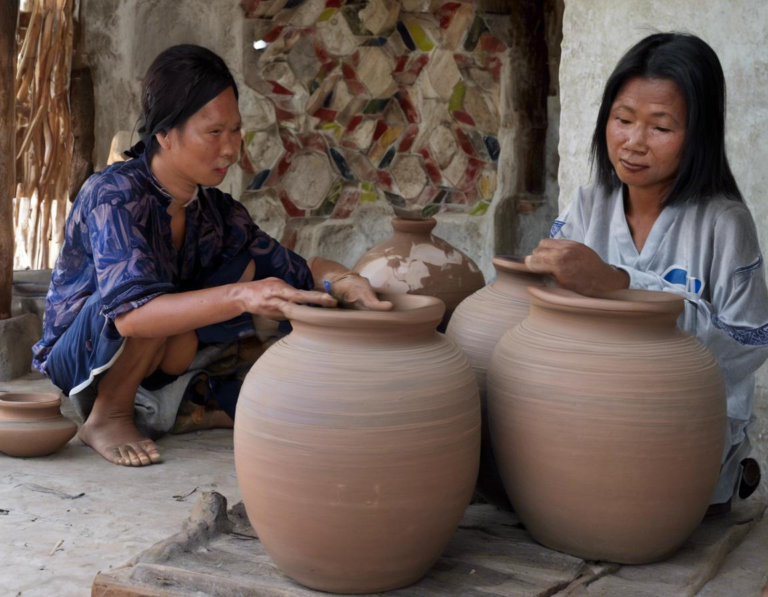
(608, 423)
(357, 442)
(32, 424)
(415, 261)
(477, 325)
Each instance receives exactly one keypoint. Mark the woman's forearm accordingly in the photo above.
(173, 314)
(325, 269)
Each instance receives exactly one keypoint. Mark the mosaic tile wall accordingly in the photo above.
(377, 97)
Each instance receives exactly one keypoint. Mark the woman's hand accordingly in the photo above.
(355, 292)
(576, 267)
(267, 297)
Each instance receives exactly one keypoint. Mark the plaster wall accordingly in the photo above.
(595, 35)
(122, 37)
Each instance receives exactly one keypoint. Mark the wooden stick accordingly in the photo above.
(9, 13)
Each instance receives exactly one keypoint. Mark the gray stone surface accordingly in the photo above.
(595, 35)
(17, 336)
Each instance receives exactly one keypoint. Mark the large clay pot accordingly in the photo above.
(415, 261)
(32, 424)
(477, 325)
(608, 423)
(357, 443)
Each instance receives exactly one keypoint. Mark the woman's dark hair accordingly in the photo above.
(694, 67)
(180, 81)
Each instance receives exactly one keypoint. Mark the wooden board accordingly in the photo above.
(217, 554)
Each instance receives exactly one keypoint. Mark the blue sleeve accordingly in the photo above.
(127, 270)
(271, 258)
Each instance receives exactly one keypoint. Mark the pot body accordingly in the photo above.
(357, 444)
(415, 261)
(608, 424)
(32, 425)
(477, 325)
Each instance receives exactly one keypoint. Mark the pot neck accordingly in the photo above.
(414, 228)
(618, 317)
(414, 318)
(37, 406)
(513, 277)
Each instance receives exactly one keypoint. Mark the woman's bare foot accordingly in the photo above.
(116, 439)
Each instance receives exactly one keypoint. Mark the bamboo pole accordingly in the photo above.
(9, 13)
(45, 140)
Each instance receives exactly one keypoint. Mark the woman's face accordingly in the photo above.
(205, 146)
(646, 132)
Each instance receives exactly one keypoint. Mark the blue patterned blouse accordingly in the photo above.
(118, 242)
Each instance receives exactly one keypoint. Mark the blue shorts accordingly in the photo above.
(92, 344)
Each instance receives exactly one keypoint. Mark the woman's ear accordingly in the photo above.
(164, 140)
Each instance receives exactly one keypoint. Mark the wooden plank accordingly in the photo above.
(491, 554)
(9, 10)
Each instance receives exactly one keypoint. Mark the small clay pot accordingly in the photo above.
(415, 261)
(477, 325)
(32, 425)
(357, 442)
(608, 423)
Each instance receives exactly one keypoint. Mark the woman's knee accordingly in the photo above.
(179, 352)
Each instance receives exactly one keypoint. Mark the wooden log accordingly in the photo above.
(9, 11)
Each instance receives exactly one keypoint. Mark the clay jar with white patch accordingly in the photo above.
(32, 424)
(608, 423)
(477, 325)
(415, 261)
(357, 443)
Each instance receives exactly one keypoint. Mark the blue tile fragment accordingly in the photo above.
(341, 164)
(376, 42)
(406, 35)
(492, 144)
(388, 157)
(259, 180)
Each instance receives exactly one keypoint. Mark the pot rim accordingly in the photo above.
(618, 301)
(413, 226)
(513, 263)
(29, 400)
(409, 310)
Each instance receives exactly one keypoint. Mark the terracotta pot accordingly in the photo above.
(608, 423)
(415, 261)
(477, 325)
(357, 442)
(32, 425)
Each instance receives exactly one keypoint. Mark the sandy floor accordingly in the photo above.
(120, 511)
(68, 516)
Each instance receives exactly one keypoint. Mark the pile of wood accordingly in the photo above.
(44, 137)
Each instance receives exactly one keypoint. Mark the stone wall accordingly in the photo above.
(595, 35)
(348, 104)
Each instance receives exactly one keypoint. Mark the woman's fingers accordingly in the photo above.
(314, 297)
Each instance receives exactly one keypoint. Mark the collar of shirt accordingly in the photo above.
(165, 197)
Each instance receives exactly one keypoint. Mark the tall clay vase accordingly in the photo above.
(477, 325)
(415, 261)
(32, 424)
(608, 424)
(357, 442)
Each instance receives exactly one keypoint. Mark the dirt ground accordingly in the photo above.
(66, 517)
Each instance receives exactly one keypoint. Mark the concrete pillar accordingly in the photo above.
(9, 10)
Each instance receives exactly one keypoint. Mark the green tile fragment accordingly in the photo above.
(480, 209)
(457, 97)
(420, 37)
(327, 14)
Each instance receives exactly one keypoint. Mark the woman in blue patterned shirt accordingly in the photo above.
(154, 256)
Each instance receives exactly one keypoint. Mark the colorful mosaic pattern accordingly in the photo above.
(365, 97)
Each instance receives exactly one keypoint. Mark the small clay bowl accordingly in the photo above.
(32, 424)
